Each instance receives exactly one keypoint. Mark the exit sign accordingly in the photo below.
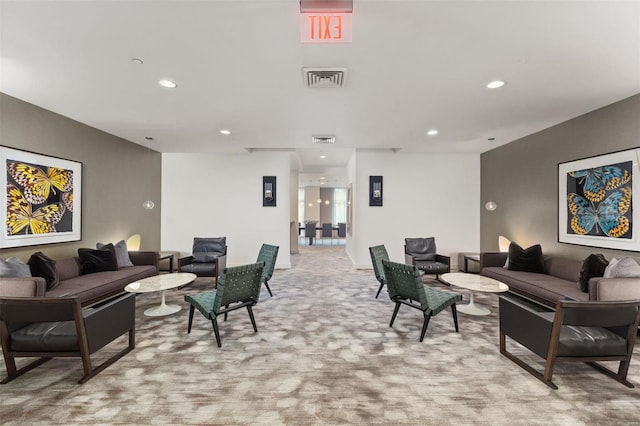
(325, 27)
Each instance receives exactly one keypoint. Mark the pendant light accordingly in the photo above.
(148, 204)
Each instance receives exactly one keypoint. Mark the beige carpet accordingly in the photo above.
(323, 354)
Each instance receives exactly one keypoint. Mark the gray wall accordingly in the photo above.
(117, 176)
(521, 177)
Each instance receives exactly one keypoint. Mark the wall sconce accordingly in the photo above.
(268, 191)
(375, 191)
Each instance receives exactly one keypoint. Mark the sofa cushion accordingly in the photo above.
(421, 248)
(14, 267)
(527, 260)
(593, 266)
(122, 253)
(45, 267)
(101, 284)
(103, 259)
(545, 288)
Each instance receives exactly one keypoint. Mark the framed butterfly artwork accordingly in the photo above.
(42, 199)
(599, 201)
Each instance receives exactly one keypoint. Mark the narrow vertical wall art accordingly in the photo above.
(375, 191)
(268, 191)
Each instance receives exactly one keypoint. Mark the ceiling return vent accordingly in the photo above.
(324, 78)
(323, 139)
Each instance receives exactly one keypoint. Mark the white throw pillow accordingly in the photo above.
(622, 268)
(122, 254)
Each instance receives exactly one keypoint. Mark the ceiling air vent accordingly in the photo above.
(323, 139)
(322, 78)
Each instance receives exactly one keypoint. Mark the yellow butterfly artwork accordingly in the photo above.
(38, 184)
(21, 219)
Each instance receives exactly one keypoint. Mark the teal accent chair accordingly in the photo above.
(405, 286)
(268, 254)
(239, 287)
(379, 253)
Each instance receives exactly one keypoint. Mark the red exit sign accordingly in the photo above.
(325, 27)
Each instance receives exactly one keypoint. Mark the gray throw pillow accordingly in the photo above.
(14, 267)
(622, 268)
(122, 253)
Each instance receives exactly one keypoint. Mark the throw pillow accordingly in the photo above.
(622, 268)
(103, 259)
(593, 266)
(421, 248)
(45, 267)
(14, 267)
(122, 253)
(526, 260)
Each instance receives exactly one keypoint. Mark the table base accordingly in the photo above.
(162, 309)
(473, 308)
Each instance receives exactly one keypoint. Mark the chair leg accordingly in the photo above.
(266, 284)
(253, 320)
(454, 311)
(379, 289)
(621, 376)
(524, 365)
(214, 322)
(395, 312)
(225, 314)
(190, 318)
(17, 373)
(425, 324)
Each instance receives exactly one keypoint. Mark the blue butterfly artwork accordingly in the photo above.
(597, 181)
(607, 218)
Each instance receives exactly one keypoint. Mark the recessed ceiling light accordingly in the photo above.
(322, 177)
(323, 156)
(432, 132)
(225, 131)
(495, 84)
(167, 83)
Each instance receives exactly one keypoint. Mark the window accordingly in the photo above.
(339, 205)
(300, 205)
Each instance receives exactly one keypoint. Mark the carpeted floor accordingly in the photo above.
(323, 354)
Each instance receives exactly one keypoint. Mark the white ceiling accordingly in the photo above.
(413, 65)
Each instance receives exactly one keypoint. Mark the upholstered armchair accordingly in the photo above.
(405, 287)
(421, 252)
(239, 287)
(208, 259)
(48, 327)
(576, 331)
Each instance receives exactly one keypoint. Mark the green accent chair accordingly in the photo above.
(239, 287)
(378, 253)
(268, 255)
(405, 286)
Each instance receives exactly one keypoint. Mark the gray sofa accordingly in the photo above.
(559, 282)
(87, 288)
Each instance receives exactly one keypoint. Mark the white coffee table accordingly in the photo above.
(474, 282)
(161, 283)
